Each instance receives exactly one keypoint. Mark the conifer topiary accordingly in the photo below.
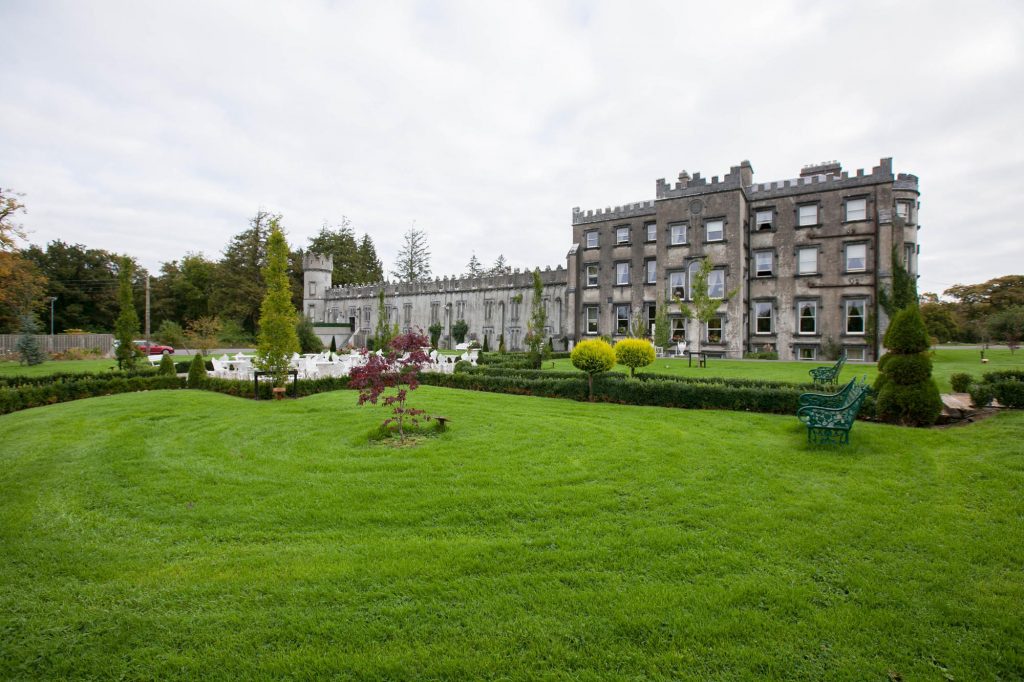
(634, 353)
(167, 366)
(907, 394)
(197, 372)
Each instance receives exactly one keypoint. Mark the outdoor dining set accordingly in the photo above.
(327, 364)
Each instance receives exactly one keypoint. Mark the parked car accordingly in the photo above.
(150, 348)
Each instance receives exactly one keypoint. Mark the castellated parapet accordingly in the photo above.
(316, 261)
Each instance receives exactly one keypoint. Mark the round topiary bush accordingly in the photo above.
(906, 392)
(592, 356)
(634, 353)
(961, 382)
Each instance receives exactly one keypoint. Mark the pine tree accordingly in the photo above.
(474, 268)
(127, 326)
(413, 264)
(167, 366)
(277, 337)
(372, 270)
(29, 352)
(500, 267)
(197, 372)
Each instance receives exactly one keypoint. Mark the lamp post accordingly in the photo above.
(53, 299)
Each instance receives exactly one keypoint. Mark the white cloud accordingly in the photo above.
(159, 129)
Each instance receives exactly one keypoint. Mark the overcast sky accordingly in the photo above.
(158, 128)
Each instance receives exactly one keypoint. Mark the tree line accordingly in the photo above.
(990, 312)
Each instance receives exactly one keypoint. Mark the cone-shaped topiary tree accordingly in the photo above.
(592, 356)
(277, 338)
(126, 328)
(907, 394)
(29, 352)
(167, 366)
(197, 372)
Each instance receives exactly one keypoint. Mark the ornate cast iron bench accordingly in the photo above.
(828, 399)
(828, 375)
(831, 425)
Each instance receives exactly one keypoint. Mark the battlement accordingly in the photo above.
(316, 261)
(639, 208)
(828, 176)
(450, 285)
(738, 177)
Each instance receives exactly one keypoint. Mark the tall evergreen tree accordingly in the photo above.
(538, 320)
(413, 264)
(371, 269)
(500, 267)
(474, 268)
(339, 242)
(277, 336)
(127, 326)
(238, 284)
(29, 352)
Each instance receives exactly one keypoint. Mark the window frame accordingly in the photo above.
(622, 323)
(312, 289)
(587, 321)
(847, 201)
(801, 305)
(720, 320)
(712, 285)
(587, 267)
(707, 230)
(672, 234)
(850, 357)
(596, 234)
(651, 232)
(619, 231)
(847, 302)
(757, 318)
(817, 252)
(756, 225)
(683, 286)
(817, 214)
(676, 328)
(771, 263)
(813, 355)
(846, 256)
(651, 271)
(618, 272)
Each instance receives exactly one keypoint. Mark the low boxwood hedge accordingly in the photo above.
(64, 377)
(14, 398)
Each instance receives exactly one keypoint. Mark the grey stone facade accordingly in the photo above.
(804, 259)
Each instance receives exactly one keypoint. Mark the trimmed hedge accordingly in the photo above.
(961, 382)
(680, 392)
(25, 396)
(11, 381)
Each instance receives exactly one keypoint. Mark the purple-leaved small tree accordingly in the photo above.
(397, 367)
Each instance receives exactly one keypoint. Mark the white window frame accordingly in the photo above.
(801, 306)
(812, 356)
(677, 328)
(856, 209)
(903, 210)
(652, 231)
(652, 271)
(848, 257)
(677, 233)
(716, 283)
(720, 231)
(807, 215)
(592, 274)
(856, 353)
(759, 220)
(758, 307)
(800, 261)
(720, 326)
(622, 323)
(759, 257)
(622, 273)
(863, 303)
(591, 319)
(622, 235)
(679, 277)
(593, 239)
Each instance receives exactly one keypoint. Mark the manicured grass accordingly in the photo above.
(56, 366)
(946, 361)
(191, 535)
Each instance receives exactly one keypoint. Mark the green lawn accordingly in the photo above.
(192, 535)
(947, 361)
(54, 366)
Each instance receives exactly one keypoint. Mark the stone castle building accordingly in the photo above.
(798, 263)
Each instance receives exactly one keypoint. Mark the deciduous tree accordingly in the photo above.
(396, 369)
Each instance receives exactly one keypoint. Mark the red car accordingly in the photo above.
(150, 348)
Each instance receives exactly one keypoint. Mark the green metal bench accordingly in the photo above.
(831, 425)
(828, 399)
(828, 375)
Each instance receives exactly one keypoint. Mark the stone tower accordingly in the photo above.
(317, 270)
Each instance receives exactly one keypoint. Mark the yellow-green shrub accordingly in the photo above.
(634, 353)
